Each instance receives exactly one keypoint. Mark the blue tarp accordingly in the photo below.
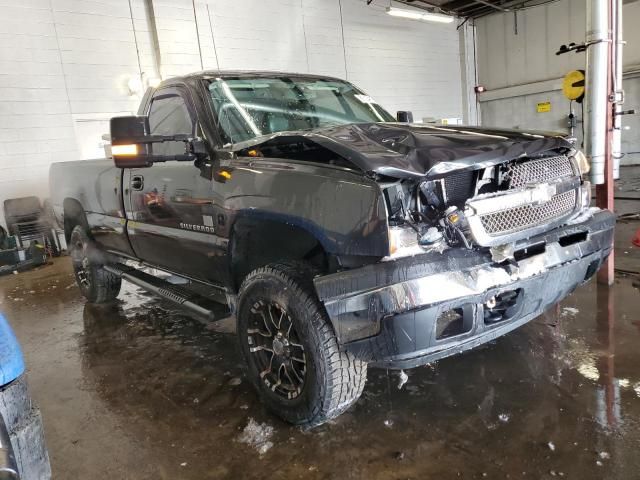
(11, 359)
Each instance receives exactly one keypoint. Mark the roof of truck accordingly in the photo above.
(208, 74)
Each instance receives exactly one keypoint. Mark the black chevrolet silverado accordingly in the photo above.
(339, 237)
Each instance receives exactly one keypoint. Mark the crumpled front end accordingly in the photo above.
(413, 310)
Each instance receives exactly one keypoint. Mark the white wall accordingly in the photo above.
(405, 64)
(520, 70)
(65, 65)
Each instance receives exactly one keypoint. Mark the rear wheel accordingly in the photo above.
(96, 284)
(291, 350)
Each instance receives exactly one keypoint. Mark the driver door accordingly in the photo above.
(171, 206)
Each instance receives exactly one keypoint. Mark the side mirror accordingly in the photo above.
(131, 144)
(127, 137)
(404, 116)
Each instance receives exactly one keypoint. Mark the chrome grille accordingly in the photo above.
(539, 171)
(521, 218)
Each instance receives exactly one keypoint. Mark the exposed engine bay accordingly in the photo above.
(446, 187)
(486, 207)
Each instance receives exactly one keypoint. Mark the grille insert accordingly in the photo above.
(520, 218)
(539, 171)
(458, 187)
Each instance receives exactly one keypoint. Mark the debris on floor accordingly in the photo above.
(257, 435)
(570, 311)
(403, 378)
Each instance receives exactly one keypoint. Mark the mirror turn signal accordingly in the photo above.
(124, 150)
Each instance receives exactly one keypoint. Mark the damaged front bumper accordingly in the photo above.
(414, 310)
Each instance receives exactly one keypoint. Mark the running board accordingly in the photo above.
(175, 293)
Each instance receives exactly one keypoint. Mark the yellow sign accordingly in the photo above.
(573, 85)
(544, 107)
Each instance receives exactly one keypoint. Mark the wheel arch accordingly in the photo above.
(257, 241)
(73, 215)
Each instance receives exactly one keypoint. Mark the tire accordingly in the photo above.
(281, 322)
(95, 283)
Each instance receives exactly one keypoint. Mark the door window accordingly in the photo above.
(169, 115)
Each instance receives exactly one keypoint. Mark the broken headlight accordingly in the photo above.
(581, 162)
(403, 240)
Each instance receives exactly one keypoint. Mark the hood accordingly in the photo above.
(414, 150)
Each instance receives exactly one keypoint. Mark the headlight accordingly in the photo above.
(585, 193)
(582, 162)
(403, 242)
(401, 239)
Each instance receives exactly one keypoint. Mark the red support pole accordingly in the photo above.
(604, 192)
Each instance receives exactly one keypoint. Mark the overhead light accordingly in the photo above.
(419, 15)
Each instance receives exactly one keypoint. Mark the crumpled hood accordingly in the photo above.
(415, 150)
(404, 150)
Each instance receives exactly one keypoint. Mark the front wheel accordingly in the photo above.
(291, 350)
(95, 283)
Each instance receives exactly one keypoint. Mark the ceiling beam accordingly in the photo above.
(474, 9)
(492, 5)
(426, 6)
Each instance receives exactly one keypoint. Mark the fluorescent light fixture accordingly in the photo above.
(419, 15)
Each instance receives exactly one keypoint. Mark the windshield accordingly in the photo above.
(250, 107)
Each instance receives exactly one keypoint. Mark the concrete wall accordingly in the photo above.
(518, 66)
(66, 65)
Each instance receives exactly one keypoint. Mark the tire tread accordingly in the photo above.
(105, 285)
(344, 375)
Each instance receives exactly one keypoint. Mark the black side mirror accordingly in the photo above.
(404, 116)
(127, 133)
(131, 144)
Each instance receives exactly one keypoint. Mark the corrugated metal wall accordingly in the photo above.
(518, 66)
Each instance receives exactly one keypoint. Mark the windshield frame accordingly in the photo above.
(227, 142)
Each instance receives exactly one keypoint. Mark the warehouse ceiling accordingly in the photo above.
(474, 8)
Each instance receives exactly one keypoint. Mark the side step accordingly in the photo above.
(175, 293)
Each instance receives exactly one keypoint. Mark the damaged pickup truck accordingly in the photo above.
(339, 237)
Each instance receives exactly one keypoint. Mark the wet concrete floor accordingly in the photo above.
(140, 390)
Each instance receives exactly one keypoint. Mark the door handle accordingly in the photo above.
(137, 182)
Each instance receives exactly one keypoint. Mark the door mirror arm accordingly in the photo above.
(131, 144)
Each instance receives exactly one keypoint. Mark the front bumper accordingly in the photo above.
(387, 313)
(23, 427)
